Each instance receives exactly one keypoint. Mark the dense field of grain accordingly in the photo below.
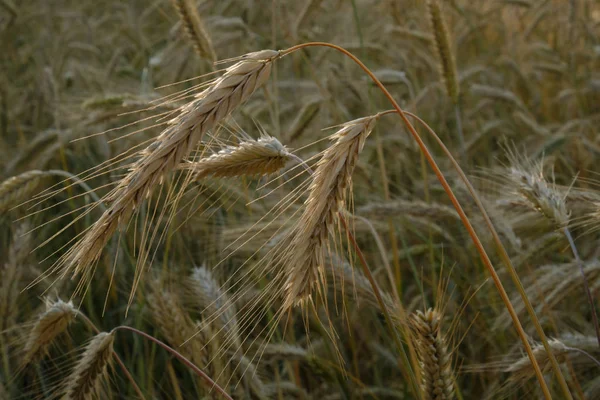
(311, 199)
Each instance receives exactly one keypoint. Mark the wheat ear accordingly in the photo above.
(437, 381)
(304, 258)
(568, 345)
(16, 189)
(249, 158)
(89, 370)
(11, 273)
(444, 50)
(49, 325)
(215, 305)
(194, 28)
(175, 143)
(528, 181)
(176, 326)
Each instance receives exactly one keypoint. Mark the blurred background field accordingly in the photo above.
(528, 73)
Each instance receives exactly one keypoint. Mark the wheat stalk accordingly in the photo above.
(89, 370)
(437, 381)
(196, 118)
(194, 28)
(303, 260)
(250, 157)
(48, 326)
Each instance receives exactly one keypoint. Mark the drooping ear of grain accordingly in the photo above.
(17, 189)
(526, 179)
(194, 28)
(47, 328)
(84, 381)
(250, 157)
(303, 259)
(214, 304)
(443, 49)
(175, 143)
(175, 325)
(437, 381)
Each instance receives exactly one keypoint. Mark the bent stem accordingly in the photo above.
(465, 220)
(212, 384)
(136, 388)
(586, 284)
(459, 129)
(367, 272)
(384, 310)
(505, 258)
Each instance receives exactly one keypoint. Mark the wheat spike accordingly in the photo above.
(437, 382)
(444, 50)
(528, 181)
(176, 326)
(84, 381)
(567, 346)
(249, 158)
(18, 188)
(214, 303)
(194, 28)
(11, 273)
(175, 143)
(303, 259)
(49, 325)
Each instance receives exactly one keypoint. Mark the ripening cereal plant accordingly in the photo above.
(184, 131)
(298, 259)
(437, 381)
(304, 258)
(447, 63)
(86, 378)
(194, 29)
(49, 325)
(526, 179)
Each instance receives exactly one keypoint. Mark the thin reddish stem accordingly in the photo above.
(465, 220)
(212, 384)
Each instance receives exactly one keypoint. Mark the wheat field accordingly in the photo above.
(312, 199)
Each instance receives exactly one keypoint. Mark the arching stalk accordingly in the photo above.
(465, 220)
(506, 259)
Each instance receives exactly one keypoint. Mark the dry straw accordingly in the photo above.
(49, 325)
(84, 381)
(437, 381)
(249, 158)
(211, 107)
(303, 260)
(194, 28)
